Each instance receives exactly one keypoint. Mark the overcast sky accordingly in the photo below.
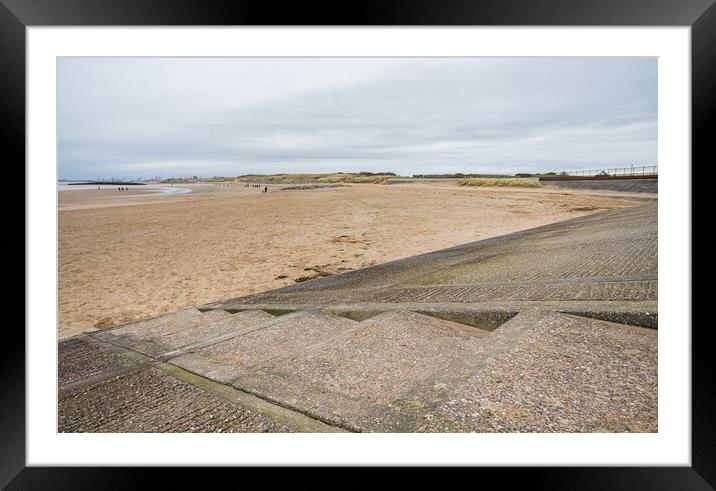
(139, 117)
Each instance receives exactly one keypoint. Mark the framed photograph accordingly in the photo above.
(411, 236)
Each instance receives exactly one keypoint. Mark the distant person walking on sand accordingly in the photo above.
(265, 189)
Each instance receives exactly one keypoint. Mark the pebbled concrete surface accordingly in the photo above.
(169, 337)
(567, 374)
(82, 360)
(547, 330)
(150, 401)
(340, 380)
(226, 361)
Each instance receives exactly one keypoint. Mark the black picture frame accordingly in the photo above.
(700, 15)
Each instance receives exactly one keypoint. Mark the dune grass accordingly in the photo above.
(317, 178)
(507, 182)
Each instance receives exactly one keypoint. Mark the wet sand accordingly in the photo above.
(129, 257)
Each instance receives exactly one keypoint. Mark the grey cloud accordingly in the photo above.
(405, 115)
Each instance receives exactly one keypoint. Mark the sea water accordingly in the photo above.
(152, 188)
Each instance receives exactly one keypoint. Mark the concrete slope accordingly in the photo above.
(547, 330)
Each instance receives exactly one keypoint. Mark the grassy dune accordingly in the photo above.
(317, 178)
(333, 178)
(514, 183)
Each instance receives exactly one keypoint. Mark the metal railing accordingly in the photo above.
(642, 170)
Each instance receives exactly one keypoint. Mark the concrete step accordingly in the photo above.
(176, 334)
(287, 335)
(602, 378)
(403, 371)
(372, 364)
(165, 324)
(447, 326)
(155, 322)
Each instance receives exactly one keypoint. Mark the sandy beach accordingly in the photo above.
(125, 256)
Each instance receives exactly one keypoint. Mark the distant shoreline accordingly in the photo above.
(105, 183)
